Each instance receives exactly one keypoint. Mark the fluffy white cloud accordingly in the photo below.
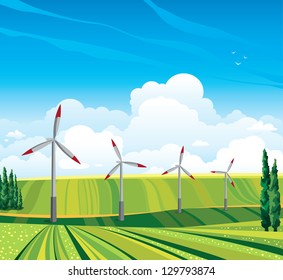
(94, 150)
(74, 113)
(260, 126)
(15, 134)
(35, 165)
(200, 143)
(164, 118)
(184, 88)
(159, 121)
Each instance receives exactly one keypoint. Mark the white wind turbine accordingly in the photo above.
(226, 175)
(179, 178)
(53, 142)
(120, 164)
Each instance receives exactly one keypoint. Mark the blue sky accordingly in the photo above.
(99, 51)
(152, 74)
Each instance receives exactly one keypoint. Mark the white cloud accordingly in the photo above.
(93, 149)
(184, 88)
(70, 164)
(35, 165)
(236, 115)
(15, 134)
(75, 113)
(159, 121)
(260, 126)
(200, 143)
(165, 118)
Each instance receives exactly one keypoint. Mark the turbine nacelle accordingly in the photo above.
(226, 172)
(120, 161)
(53, 140)
(179, 166)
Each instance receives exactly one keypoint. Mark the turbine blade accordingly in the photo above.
(230, 165)
(230, 180)
(187, 172)
(170, 170)
(116, 150)
(57, 121)
(67, 152)
(181, 155)
(134, 164)
(112, 171)
(219, 172)
(37, 147)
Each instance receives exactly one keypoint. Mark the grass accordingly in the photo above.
(86, 196)
(232, 241)
(88, 227)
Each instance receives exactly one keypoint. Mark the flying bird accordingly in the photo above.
(238, 63)
(245, 57)
(233, 52)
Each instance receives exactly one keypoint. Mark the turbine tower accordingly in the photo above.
(53, 142)
(179, 178)
(120, 164)
(226, 175)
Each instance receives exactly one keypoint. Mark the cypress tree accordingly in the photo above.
(274, 198)
(0, 192)
(16, 194)
(20, 200)
(4, 191)
(264, 197)
(11, 190)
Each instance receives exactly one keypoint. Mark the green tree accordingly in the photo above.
(264, 197)
(4, 191)
(20, 200)
(16, 194)
(0, 192)
(11, 190)
(274, 198)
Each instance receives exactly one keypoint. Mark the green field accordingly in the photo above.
(244, 240)
(94, 196)
(88, 226)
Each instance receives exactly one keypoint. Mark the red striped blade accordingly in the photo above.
(188, 173)
(169, 170)
(218, 172)
(230, 180)
(37, 147)
(57, 121)
(67, 152)
(230, 165)
(181, 155)
(116, 150)
(135, 164)
(112, 171)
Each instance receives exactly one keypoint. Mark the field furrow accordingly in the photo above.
(134, 248)
(208, 246)
(96, 248)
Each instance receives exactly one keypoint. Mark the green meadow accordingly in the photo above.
(88, 226)
(94, 196)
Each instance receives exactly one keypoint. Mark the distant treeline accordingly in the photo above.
(10, 194)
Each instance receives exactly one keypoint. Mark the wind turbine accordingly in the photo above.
(226, 175)
(53, 143)
(179, 177)
(120, 164)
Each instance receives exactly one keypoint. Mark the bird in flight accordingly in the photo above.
(233, 52)
(245, 57)
(238, 63)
